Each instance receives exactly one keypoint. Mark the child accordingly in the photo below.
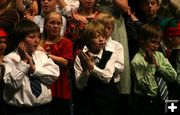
(3, 44)
(85, 13)
(108, 21)
(150, 9)
(148, 65)
(60, 50)
(25, 68)
(94, 67)
(170, 46)
(47, 7)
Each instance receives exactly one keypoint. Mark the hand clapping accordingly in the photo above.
(86, 61)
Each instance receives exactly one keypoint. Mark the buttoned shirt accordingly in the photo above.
(17, 90)
(118, 50)
(144, 73)
(106, 74)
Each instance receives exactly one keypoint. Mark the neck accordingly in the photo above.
(53, 39)
(87, 12)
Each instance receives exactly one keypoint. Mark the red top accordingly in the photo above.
(63, 48)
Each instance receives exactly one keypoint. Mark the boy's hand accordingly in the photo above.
(22, 51)
(149, 56)
(86, 61)
(25, 56)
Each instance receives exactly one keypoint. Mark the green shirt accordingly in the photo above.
(144, 73)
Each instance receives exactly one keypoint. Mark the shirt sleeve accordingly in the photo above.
(145, 76)
(81, 76)
(15, 71)
(166, 69)
(71, 5)
(105, 75)
(48, 72)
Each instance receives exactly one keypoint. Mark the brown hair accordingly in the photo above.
(105, 17)
(90, 31)
(148, 31)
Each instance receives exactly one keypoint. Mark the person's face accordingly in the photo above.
(3, 44)
(152, 44)
(150, 8)
(87, 4)
(53, 25)
(48, 5)
(32, 41)
(175, 41)
(109, 29)
(97, 43)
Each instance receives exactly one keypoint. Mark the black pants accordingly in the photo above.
(60, 107)
(37, 110)
(146, 105)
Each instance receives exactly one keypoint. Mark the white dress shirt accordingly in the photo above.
(106, 74)
(118, 50)
(17, 90)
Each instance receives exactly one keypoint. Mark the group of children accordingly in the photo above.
(97, 66)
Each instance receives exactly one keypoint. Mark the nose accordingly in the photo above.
(102, 38)
(37, 38)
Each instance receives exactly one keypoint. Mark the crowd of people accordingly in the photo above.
(89, 57)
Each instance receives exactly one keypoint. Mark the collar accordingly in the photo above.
(99, 55)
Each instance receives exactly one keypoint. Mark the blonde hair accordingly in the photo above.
(46, 19)
(105, 17)
(90, 31)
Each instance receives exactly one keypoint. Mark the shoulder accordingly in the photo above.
(38, 18)
(113, 45)
(66, 41)
(12, 56)
(159, 54)
(39, 53)
(138, 58)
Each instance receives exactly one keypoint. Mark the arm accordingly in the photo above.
(67, 7)
(165, 68)
(46, 70)
(82, 74)
(122, 4)
(16, 71)
(144, 74)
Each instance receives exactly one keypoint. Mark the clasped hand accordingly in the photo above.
(25, 56)
(86, 61)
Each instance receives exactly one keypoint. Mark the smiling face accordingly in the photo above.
(31, 42)
(152, 44)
